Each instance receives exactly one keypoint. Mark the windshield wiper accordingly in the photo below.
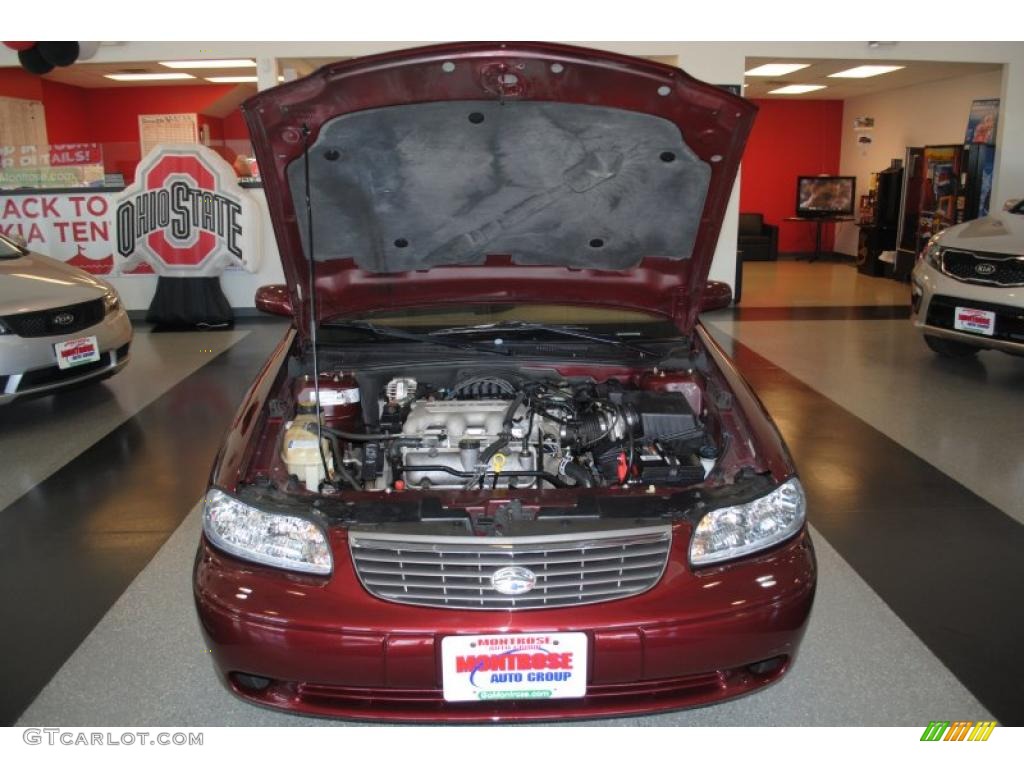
(395, 333)
(521, 326)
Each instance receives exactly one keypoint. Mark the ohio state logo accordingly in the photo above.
(185, 215)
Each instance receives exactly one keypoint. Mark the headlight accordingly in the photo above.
(111, 302)
(731, 532)
(284, 541)
(933, 254)
(3, 328)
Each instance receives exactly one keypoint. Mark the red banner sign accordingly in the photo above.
(76, 154)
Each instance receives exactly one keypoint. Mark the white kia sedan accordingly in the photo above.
(59, 325)
(967, 289)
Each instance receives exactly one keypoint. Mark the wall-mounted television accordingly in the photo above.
(825, 196)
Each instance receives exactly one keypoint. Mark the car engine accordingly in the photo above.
(497, 433)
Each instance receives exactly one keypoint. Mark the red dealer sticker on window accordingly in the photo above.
(550, 665)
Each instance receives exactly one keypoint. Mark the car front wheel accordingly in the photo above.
(947, 348)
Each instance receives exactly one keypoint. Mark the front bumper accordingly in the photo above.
(327, 647)
(935, 295)
(28, 366)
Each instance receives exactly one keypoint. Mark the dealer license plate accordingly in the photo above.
(551, 665)
(77, 351)
(974, 320)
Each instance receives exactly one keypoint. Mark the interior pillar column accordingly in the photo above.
(1009, 164)
(267, 71)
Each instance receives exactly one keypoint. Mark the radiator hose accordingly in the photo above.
(574, 471)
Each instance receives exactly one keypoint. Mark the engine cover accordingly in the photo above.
(455, 432)
(479, 419)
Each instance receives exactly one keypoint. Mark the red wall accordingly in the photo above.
(114, 117)
(790, 139)
(110, 116)
(114, 112)
(16, 83)
(68, 118)
(235, 127)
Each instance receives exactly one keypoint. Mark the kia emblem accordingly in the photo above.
(984, 268)
(63, 318)
(513, 580)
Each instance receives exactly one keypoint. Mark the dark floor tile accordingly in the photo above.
(871, 312)
(70, 546)
(946, 561)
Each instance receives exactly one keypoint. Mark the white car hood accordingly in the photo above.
(33, 282)
(1000, 232)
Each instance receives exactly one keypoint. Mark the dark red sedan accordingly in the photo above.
(497, 470)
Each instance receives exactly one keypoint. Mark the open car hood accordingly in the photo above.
(498, 173)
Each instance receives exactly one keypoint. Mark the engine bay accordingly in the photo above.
(462, 430)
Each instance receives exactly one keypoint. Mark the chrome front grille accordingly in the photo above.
(59, 321)
(456, 571)
(983, 268)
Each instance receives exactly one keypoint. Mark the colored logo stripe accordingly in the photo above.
(982, 731)
(958, 730)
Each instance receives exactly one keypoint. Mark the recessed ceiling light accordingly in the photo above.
(232, 79)
(210, 64)
(797, 89)
(151, 76)
(775, 70)
(867, 70)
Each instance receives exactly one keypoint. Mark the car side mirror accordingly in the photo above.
(717, 295)
(1011, 203)
(274, 300)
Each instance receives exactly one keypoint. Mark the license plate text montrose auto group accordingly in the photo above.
(515, 666)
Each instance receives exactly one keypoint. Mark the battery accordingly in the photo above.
(659, 468)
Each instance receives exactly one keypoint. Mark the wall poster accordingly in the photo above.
(167, 129)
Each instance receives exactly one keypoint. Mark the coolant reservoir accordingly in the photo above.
(301, 455)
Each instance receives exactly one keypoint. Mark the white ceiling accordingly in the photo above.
(91, 75)
(913, 73)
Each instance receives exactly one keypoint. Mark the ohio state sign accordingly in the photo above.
(185, 215)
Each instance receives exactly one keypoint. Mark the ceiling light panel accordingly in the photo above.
(233, 79)
(775, 70)
(210, 64)
(793, 89)
(868, 70)
(136, 76)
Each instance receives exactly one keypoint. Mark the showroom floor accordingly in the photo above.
(915, 483)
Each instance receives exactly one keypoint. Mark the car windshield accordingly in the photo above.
(499, 318)
(8, 250)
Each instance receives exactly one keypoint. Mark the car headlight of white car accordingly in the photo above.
(280, 540)
(731, 532)
(933, 254)
(111, 301)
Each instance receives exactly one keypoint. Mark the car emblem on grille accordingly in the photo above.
(63, 318)
(513, 580)
(984, 269)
